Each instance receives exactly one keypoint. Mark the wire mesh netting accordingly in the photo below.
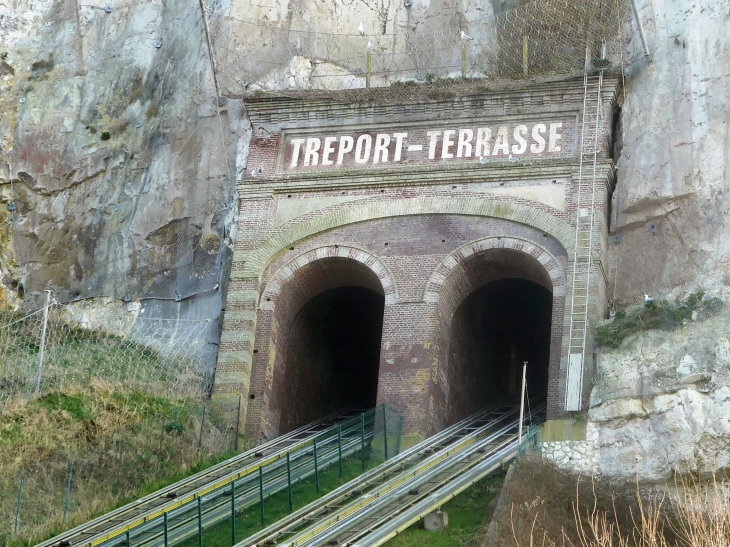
(541, 38)
(49, 350)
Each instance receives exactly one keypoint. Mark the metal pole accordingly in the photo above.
(370, 67)
(288, 481)
(200, 435)
(128, 538)
(238, 421)
(261, 492)
(43, 343)
(200, 522)
(17, 511)
(339, 447)
(524, 55)
(463, 60)
(68, 490)
(316, 468)
(385, 432)
(164, 520)
(119, 468)
(162, 437)
(641, 28)
(362, 438)
(522, 401)
(233, 511)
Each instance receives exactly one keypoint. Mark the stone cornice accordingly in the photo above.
(420, 175)
(467, 100)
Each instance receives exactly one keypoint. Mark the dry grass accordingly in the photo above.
(549, 507)
(114, 438)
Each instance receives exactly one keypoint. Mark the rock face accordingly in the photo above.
(661, 400)
(674, 169)
(117, 155)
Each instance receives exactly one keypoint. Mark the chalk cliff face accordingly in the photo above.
(660, 400)
(675, 166)
(120, 151)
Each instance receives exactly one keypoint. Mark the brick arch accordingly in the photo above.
(440, 274)
(255, 261)
(275, 286)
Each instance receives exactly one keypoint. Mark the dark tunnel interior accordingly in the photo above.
(333, 354)
(494, 330)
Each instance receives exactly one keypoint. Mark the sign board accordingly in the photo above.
(383, 146)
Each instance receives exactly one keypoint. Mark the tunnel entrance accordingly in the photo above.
(325, 342)
(494, 330)
(496, 310)
(335, 349)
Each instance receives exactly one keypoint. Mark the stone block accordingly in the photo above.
(563, 430)
(436, 521)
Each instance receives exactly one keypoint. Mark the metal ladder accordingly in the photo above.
(585, 220)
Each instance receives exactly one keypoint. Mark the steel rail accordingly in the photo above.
(397, 487)
(395, 524)
(130, 516)
(199, 494)
(220, 511)
(424, 488)
(370, 479)
(409, 487)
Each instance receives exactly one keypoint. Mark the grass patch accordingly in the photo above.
(119, 447)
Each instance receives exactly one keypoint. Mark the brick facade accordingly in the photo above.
(424, 234)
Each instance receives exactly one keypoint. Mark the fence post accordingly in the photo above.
(200, 435)
(128, 538)
(261, 492)
(164, 517)
(524, 56)
(369, 70)
(119, 468)
(238, 421)
(43, 343)
(17, 511)
(68, 490)
(233, 513)
(339, 447)
(200, 522)
(162, 437)
(362, 438)
(288, 481)
(463, 60)
(385, 432)
(316, 468)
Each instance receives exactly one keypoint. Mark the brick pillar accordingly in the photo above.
(406, 359)
(235, 355)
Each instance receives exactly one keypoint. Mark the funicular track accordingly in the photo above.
(374, 507)
(172, 513)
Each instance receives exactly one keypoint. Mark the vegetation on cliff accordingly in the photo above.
(657, 315)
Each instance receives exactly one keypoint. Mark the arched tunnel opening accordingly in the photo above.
(494, 331)
(496, 313)
(335, 341)
(328, 349)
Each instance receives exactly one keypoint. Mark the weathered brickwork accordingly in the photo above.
(423, 234)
